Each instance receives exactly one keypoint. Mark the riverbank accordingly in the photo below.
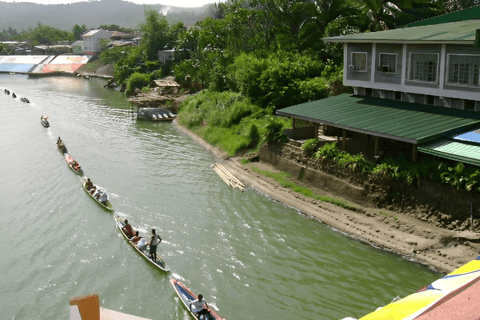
(440, 249)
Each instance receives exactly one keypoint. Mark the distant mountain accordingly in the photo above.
(24, 15)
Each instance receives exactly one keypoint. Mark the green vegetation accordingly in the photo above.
(137, 81)
(459, 176)
(230, 121)
(386, 214)
(283, 179)
(45, 35)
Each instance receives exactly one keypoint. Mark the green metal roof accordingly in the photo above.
(467, 14)
(461, 151)
(397, 120)
(453, 32)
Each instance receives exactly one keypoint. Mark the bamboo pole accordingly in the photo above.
(227, 176)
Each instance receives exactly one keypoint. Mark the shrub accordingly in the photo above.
(137, 80)
(309, 147)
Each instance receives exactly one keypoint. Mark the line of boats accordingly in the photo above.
(14, 96)
(186, 295)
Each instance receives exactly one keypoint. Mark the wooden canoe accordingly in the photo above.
(69, 160)
(108, 206)
(187, 297)
(160, 263)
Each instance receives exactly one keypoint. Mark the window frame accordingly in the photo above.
(366, 61)
(380, 61)
(471, 69)
(436, 69)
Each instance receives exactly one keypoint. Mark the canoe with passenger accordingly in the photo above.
(192, 302)
(44, 121)
(97, 193)
(72, 164)
(141, 245)
(61, 146)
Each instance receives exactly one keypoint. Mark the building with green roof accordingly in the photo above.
(411, 86)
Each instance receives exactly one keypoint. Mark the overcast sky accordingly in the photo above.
(176, 3)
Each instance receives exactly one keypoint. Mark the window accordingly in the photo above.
(398, 95)
(469, 105)
(388, 62)
(430, 100)
(463, 69)
(423, 67)
(359, 61)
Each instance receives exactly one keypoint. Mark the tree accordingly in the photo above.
(384, 14)
(154, 30)
(43, 34)
(78, 31)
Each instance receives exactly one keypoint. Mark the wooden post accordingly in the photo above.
(414, 154)
(293, 123)
(344, 142)
(316, 129)
(376, 146)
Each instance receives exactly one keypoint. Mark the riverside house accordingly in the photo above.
(91, 40)
(416, 93)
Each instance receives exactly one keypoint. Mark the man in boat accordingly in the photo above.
(128, 229)
(139, 241)
(103, 198)
(61, 146)
(88, 184)
(76, 166)
(199, 307)
(93, 191)
(154, 242)
(136, 237)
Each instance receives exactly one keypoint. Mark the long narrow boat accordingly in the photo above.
(70, 161)
(188, 297)
(45, 122)
(107, 206)
(160, 263)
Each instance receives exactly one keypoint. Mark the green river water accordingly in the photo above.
(251, 257)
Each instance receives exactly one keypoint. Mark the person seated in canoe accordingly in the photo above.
(128, 229)
(103, 198)
(154, 242)
(93, 191)
(199, 307)
(142, 244)
(136, 237)
(76, 166)
(88, 184)
(61, 145)
(7, 92)
(14, 95)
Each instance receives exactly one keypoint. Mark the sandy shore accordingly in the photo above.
(440, 249)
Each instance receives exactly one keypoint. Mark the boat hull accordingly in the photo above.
(187, 296)
(160, 263)
(108, 207)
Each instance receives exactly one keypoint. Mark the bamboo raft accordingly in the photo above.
(227, 176)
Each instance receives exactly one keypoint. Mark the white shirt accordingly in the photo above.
(196, 305)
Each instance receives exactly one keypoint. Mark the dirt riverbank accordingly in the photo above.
(441, 249)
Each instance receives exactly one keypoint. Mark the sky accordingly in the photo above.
(176, 3)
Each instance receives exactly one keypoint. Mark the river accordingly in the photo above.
(251, 257)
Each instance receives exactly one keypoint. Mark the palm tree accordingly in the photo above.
(381, 14)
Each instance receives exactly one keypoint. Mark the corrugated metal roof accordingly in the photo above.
(467, 14)
(454, 32)
(457, 150)
(397, 120)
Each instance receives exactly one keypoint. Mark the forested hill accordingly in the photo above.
(23, 15)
